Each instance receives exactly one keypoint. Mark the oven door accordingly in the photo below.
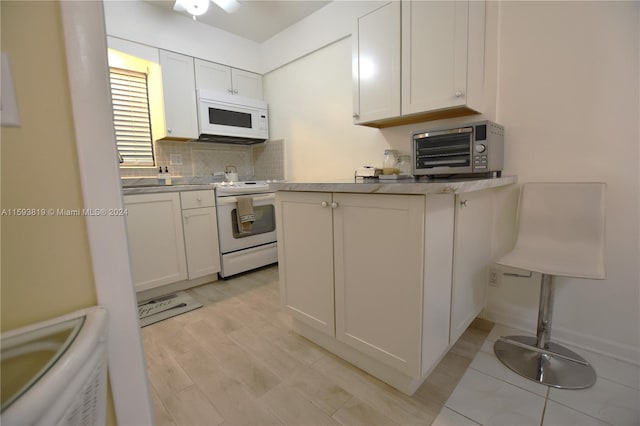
(443, 152)
(263, 229)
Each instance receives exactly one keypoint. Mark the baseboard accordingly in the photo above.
(510, 316)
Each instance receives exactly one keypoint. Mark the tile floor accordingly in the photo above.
(491, 394)
(235, 361)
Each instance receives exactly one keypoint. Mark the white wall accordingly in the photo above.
(568, 98)
(143, 23)
(333, 22)
(310, 108)
(567, 94)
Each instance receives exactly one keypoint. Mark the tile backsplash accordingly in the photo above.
(201, 159)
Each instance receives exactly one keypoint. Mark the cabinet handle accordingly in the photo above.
(355, 115)
(464, 203)
(235, 91)
(459, 94)
(230, 90)
(169, 130)
(334, 205)
(199, 199)
(186, 217)
(324, 204)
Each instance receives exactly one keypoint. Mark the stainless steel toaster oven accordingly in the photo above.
(474, 148)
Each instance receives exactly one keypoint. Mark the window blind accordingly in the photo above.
(131, 119)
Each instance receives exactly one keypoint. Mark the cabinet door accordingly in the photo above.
(471, 258)
(376, 64)
(434, 54)
(178, 85)
(305, 255)
(156, 243)
(201, 241)
(212, 76)
(378, 241)
(247, 84)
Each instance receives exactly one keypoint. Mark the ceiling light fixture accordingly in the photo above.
(192, 7)
(228, 6)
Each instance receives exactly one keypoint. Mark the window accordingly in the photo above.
(130, 98)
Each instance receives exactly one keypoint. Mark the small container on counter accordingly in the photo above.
(390, 163)
(161, 179)
(404, 165)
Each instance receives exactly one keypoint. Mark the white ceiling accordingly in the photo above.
(256, 20)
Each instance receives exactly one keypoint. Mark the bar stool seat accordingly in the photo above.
(560, 233)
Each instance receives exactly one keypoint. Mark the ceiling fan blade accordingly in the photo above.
(179, 6)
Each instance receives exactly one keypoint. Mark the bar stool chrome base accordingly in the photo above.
(556, 366)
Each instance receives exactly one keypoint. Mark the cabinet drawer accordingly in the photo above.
(197, 199)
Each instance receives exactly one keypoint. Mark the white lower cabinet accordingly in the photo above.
(156, 240)
(378, 247)
(352, 267)
(173, 237)
(471, 258)
(200, 233)
(304, 223)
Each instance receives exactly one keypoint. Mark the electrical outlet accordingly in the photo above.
(495, 277)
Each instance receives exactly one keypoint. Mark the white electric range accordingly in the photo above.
(243, 251)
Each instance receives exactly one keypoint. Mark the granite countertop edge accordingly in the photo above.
(450, 186)
(374, 186)
(166, 188)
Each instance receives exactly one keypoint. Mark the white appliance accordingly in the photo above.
(227, 118)
(240, 252)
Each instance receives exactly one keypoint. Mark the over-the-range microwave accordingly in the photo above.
(227, 118)
(474, 148)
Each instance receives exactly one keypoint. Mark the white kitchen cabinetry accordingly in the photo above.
(376, 62)
(442, 62)
(222, 78)
(200, 233)
(305, 241)
(179, 89)
(471, 259)
(378, 249)
(351, 267)
(156, 241)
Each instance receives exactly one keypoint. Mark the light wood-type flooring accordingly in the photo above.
(235, 361)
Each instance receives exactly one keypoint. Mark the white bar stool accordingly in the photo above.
(560, 233)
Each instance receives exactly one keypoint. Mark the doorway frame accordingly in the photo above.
(85, 43)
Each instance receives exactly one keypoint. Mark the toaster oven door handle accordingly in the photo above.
(444, 132)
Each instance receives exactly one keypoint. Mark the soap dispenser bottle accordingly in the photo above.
(161, 180)
(167, 176)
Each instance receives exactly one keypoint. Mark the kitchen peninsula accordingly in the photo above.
(386, 275)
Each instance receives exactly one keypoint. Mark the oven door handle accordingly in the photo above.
(232, 200)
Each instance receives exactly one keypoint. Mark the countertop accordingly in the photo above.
(154, 189)
(402, 186)
(364, 186)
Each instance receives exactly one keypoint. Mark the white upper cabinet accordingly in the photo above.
(222, 78)
(442, 62)
(212, 76)
(433, 30)
(247, 84)
(376, 64)
(179, 89)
